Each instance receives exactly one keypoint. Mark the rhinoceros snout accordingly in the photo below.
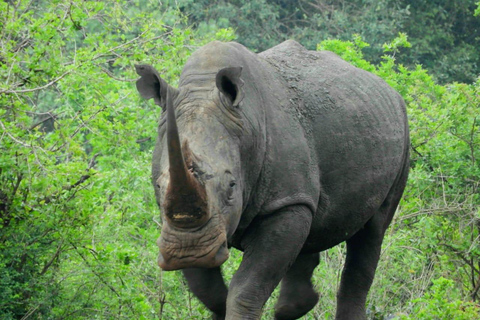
(205, 247)
(213, 259)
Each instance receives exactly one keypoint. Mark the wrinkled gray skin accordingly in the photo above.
(282, 155)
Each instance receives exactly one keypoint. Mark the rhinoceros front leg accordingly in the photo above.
(271, 245)
(297, 295)
(208, 286)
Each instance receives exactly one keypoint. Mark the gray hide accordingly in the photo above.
(282, 155)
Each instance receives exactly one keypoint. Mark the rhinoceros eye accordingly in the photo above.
(230, 190)
(192, 168)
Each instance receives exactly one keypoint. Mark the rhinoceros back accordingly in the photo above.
(356, 126)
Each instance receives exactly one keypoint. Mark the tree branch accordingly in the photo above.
(460, 254)
(111, 75)
(50, 262)
(37, 88)
(80, 181)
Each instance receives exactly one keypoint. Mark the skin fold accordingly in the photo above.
(282, 155)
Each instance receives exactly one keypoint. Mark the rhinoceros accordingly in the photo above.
(281, 155)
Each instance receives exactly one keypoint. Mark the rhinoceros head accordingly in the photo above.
(196, 166)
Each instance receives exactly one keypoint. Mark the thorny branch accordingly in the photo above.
(111, 75)
(109, 52)
(50, 116)
(80, 181)
(50, 262)
(473, 268)
(38, 88)
(99, 276)
(11, 136)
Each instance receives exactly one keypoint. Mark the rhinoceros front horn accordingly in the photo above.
(185, 200)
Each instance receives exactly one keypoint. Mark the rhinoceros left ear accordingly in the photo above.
(230, 84)
(151, 85)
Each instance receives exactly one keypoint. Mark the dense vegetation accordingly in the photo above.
(445, 35)
(78, 221)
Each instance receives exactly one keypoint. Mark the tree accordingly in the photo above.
(78, 219)
(76, 207)
(439, 213)
(445, 34)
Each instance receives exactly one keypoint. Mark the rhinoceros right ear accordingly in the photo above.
(151, 85)
(230, 83)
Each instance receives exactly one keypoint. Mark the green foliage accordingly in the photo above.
(436, 232)
(445, 34)
(257, 21)
(437, 304)
(78, 220)
(350, 51)
(77, 235)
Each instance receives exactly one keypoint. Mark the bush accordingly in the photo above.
(77, 213)
(436, 231)
(77, 239)
(438, 304)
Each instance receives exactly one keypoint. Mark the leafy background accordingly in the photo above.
(78, 220)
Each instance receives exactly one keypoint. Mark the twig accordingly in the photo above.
(119, 46)
(50, 116)
(472, 134)
(111, 75)
(99, 276)
(37, 88)
(471, 265)
(92, 162)
(80, 127)
(157, 222)
(80, 181)
(12, 137)
(93, 270)
(475, 290)
(30, 312)
(50, 262)
(143, 140)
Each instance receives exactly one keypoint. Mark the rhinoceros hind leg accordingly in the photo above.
(363, 252)
(209, 287)
(297, 295)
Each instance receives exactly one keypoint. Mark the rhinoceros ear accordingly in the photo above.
(230, 84)
(151, 85)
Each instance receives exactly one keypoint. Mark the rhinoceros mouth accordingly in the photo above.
(205, 247)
